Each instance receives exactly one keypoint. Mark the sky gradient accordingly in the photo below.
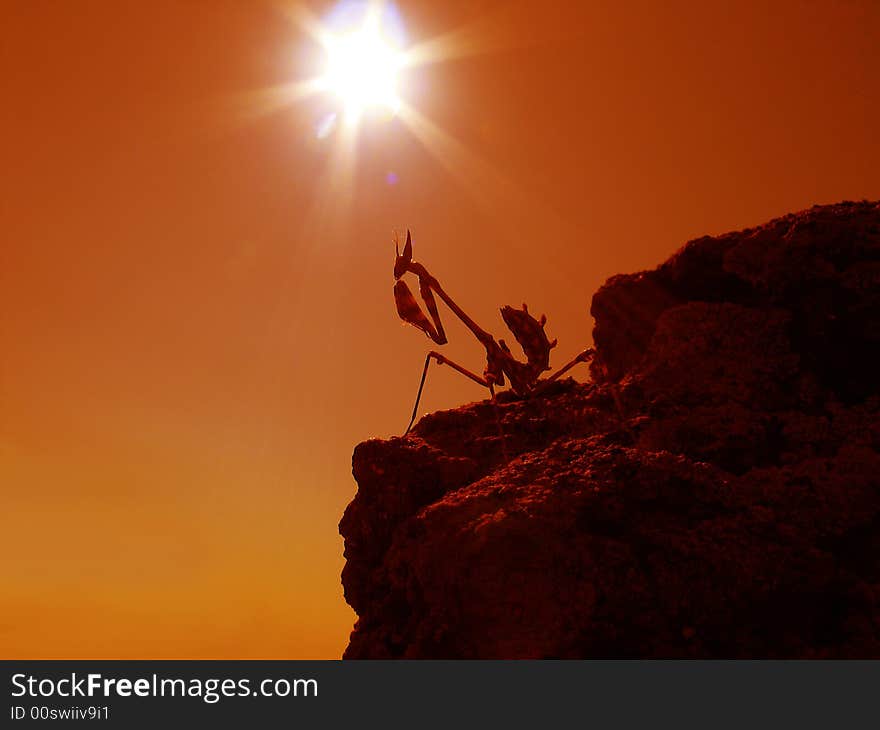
(196, 320)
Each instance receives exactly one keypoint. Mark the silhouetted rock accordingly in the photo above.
(715, 492)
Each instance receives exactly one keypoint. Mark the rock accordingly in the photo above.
(714, 492)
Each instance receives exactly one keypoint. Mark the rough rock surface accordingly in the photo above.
(714, 492)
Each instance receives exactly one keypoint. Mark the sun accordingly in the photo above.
(365, 62)
(362, 69)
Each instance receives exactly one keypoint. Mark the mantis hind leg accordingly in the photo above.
(419, 394)
(584, 356)
(443, 360)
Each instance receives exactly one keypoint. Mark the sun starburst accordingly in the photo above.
(362, 69)
(363, 66)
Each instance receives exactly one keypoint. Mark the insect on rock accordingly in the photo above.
(501, 365)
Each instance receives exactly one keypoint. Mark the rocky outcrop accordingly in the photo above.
(714, 492)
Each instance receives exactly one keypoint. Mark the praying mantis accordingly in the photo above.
(501, 365)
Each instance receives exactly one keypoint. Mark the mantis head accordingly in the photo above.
(401, 263)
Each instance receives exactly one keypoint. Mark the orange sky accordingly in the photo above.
(196, 323)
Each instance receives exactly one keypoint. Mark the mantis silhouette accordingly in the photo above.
(500, 363)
